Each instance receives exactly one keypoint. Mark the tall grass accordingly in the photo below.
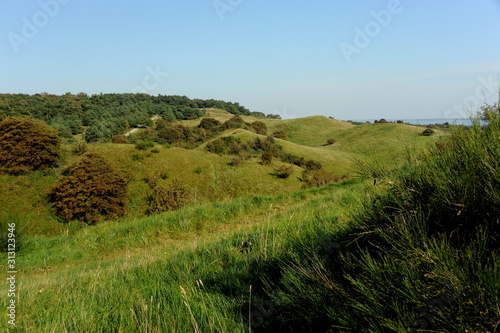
(182, 271)
(422, 257)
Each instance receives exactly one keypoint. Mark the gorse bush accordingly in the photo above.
(166, 195)
(266, 158)
(27, 144)
(280, 134)
(259, 127)
(119, 139)
(89, 191)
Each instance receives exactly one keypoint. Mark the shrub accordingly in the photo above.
(161, 124)
(79, 148)
(313, 165)
(259, 127)
(89, 191)
(427, 132)
(330, 141)
(283, 171)
(166, 196)
(224, 145)
(317, 178)
(235, 161)
(235, 122)
(173, 134)
(209, 124)
(155, 151)
(293, 159)
(216, 146)
(144, 145)
(280, 135)
(119, 138)
(266, 158)
(268, 145)
(137, 157)
(27, 144)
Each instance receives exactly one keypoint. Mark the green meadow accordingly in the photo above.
(406, 239)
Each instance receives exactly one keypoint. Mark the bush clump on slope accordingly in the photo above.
(89, 191)
(27, 144)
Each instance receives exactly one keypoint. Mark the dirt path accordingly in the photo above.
(133, 130)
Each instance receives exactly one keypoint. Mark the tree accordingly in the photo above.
(93, 134)
(27, 144)
(88, 191)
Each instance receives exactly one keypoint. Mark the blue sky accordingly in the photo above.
(347, 59)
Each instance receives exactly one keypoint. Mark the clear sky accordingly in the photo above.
(347, 59)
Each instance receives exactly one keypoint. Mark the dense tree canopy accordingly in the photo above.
(109, 114)
(27, 144)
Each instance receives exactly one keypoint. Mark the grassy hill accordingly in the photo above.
(252, 252)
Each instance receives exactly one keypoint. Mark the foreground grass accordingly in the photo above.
(176, 272)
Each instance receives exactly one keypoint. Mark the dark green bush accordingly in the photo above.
(144, 145)
(209, 124)
(427, 132)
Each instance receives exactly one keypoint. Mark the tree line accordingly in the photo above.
(106, 115)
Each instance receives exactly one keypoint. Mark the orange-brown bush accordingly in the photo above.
(89, 191)
(27, 144)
